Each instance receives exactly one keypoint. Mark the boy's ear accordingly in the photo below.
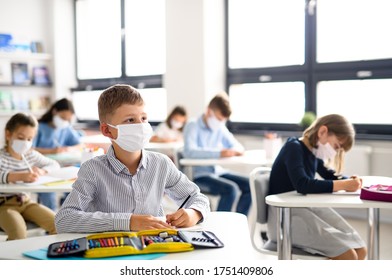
(105, 130)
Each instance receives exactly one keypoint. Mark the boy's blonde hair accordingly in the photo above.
(337, 125)
(115, 96)
(221, 103)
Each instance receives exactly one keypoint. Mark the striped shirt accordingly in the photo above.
(34, 158)
(106, 194)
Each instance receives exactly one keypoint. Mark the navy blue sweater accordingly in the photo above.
(295, 168)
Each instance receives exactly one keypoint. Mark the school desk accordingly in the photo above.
(59, 181)
(230, 227)
(249, 158)
(285, 201)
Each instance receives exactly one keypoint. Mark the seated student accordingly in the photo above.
(123, 190)
(171, 129)
(18, 162)
(56, 135)
(317, 230)
(208, 137)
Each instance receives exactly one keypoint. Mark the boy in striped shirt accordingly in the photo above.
(123, 190)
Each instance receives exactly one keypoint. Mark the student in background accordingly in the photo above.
(56, 135)
(18, 162)
(208, 137)
(321, 150)
(123, 190)
(171, 129)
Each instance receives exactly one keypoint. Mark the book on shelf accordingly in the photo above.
(5, 73)
(20, 74)
(41, 76)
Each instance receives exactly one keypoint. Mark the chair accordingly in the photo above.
(259, 181)
(187, 170)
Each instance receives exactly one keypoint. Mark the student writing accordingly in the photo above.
(123, 190)
(318, 230)
(171, 129)
(56, 135)
(18, 162)
(208, 137)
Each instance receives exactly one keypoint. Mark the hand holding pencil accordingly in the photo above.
(184, 217)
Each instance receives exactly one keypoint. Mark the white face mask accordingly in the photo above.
(21, 146)
(133, 137)
(324, 151)
(175, 124)
(60, 123)
(214, 123)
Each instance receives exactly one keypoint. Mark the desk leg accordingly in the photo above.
(284, 234)
(373, 234)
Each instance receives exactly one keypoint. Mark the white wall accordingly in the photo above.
(195, 56)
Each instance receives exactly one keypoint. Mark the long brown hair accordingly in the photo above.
(337, 125)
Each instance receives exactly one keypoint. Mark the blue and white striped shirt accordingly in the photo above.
(34, 158)
(106, 194)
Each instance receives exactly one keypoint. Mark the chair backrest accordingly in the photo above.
(259, 181)
(259, 184)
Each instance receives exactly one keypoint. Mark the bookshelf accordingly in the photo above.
(24, 96)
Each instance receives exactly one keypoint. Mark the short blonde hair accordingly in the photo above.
(337, 125)
(115, 96)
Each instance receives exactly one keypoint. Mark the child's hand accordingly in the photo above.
(184, 218)
(354, 184)
(39, 171)
(230, 153)
(29, 177)
(141, 222)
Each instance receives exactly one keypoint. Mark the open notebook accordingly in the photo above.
(64, 174)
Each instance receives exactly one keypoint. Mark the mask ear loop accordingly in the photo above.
(113, 126)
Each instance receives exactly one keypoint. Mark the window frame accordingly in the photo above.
(310, 73)
(144, 81)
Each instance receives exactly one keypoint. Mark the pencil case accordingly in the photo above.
(377, 192)
(110, 244)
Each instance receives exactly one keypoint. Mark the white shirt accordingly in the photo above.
(106, 194)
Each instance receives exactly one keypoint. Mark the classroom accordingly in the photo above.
(283, 64)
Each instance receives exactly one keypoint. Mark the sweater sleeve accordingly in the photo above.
(43, 162)
(300, 172)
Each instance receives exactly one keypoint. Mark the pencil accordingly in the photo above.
(27, 163)
(182, 205)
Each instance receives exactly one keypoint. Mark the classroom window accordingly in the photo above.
(121, 41)
(337, 51)
(155, 99)
(260, 46)
(270, 102)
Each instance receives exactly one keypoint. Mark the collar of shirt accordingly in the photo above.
(201, 123)
(119, 166)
